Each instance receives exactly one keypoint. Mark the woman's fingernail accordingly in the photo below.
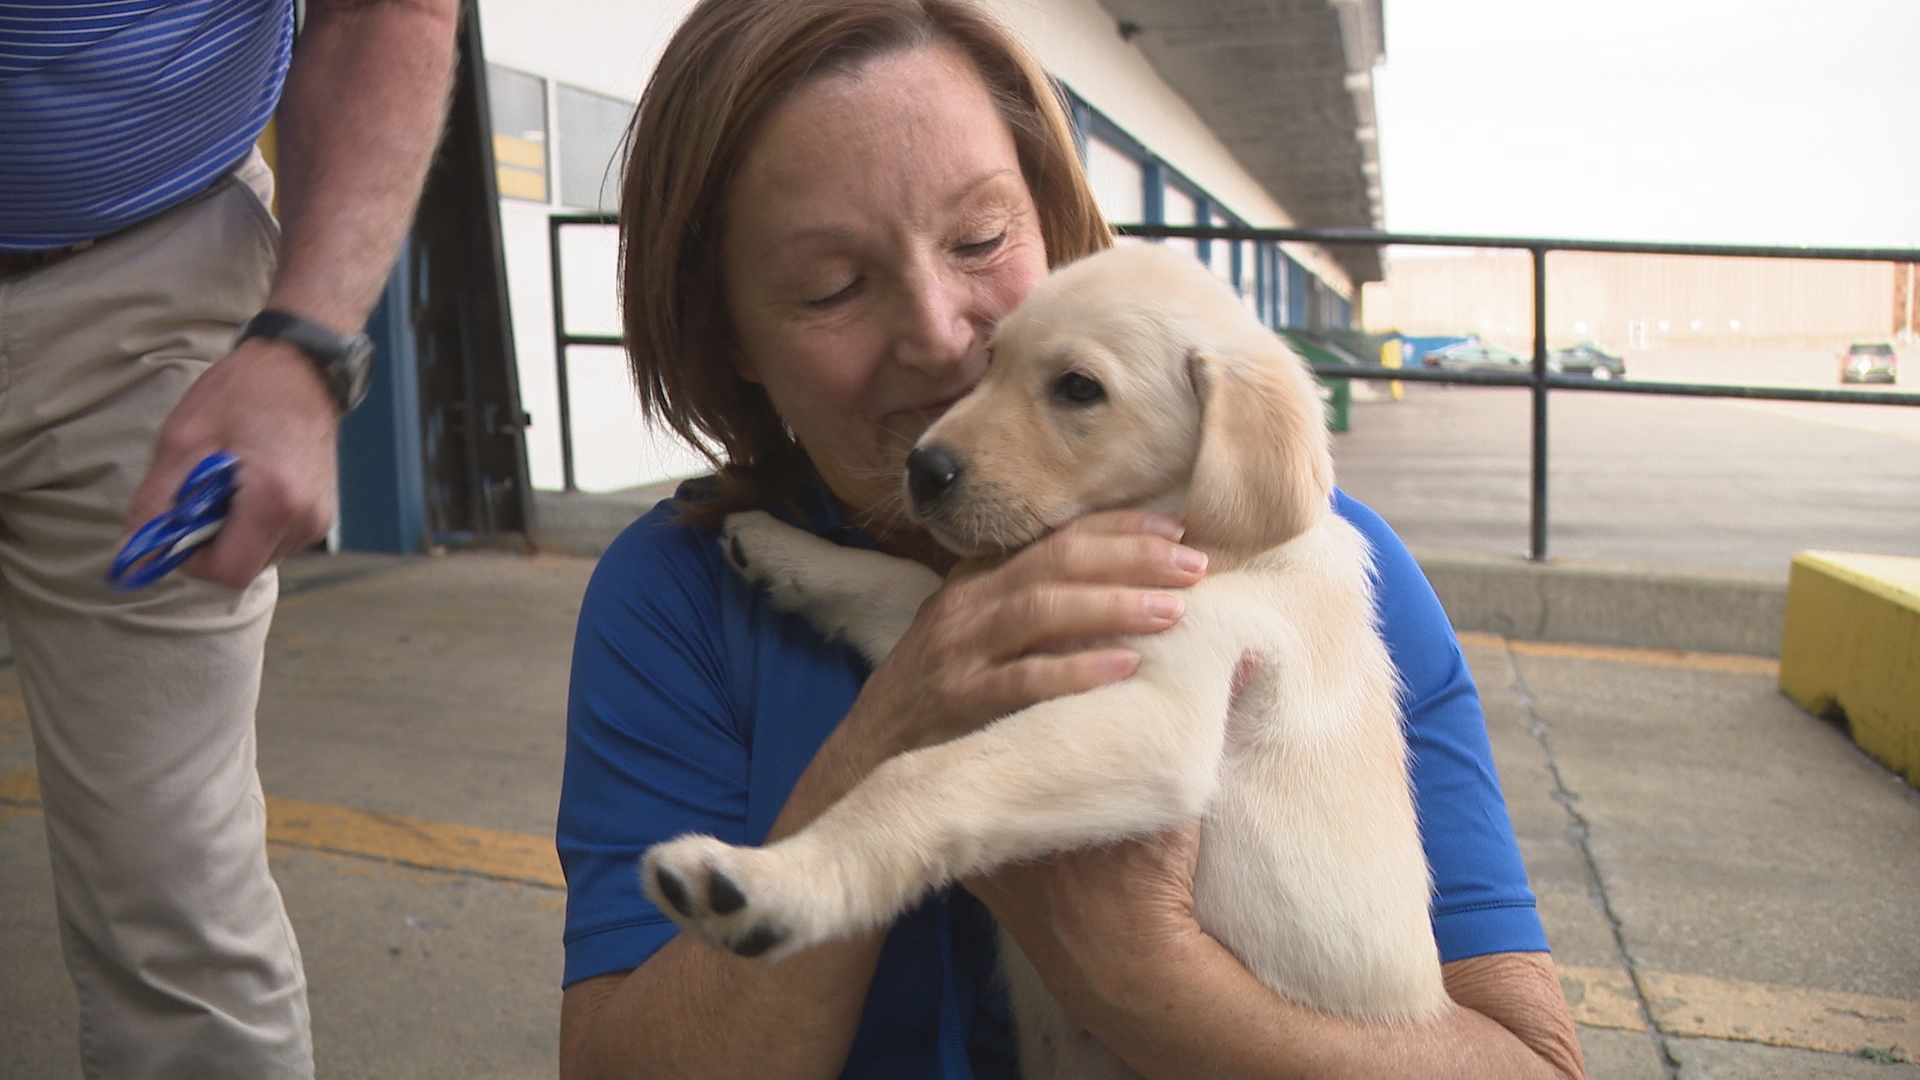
(1189, 559)
(1163, 605)
(1162, 525)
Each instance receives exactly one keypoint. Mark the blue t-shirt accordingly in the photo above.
(695, 706)
(114, 110)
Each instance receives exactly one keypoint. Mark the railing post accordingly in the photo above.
(560, 356)
(1538, 550)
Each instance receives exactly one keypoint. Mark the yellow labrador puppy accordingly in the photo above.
(1130, 379)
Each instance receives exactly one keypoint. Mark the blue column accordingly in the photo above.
(383, 495)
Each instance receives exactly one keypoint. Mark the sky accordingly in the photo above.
(1725, 121)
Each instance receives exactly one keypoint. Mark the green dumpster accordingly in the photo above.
(1337, 393)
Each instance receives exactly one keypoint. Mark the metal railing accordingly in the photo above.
(1540, 380)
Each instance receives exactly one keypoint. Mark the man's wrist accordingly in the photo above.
(343, 361)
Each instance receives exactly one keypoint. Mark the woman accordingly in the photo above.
(829, 204)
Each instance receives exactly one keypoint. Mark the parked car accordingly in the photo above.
(1476, 356)
(1866, 362)
(1588, 359)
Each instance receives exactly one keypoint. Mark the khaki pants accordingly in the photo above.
(142, 705)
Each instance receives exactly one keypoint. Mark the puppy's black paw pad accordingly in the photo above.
(723, 896)
(758, 941)
(674, 890)
(737, 552)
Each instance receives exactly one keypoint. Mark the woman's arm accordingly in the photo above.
(975, 652)
(1112, 933)
(697, 1011)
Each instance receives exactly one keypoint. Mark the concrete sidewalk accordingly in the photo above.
(1728, 883)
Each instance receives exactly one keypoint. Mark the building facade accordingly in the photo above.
(1165, 139)
(1641, 301)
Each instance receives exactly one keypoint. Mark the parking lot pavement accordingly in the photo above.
(1664, 481)
(411, 723)
(1727, 882)
(1709, 857)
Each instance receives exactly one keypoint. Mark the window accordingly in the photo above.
(518, 106)
(1225, 256)
(593, 129)
(1118, 182)
(1133, 185)
(1180, 208)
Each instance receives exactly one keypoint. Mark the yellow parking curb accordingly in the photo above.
(1852, 647)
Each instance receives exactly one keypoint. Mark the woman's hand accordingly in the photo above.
(996, 642)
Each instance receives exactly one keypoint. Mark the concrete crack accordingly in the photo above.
(1579, 832)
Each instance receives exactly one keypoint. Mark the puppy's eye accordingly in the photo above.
(1074, 388)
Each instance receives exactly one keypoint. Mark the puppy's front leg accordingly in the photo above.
(864, 598)
(1121, 761)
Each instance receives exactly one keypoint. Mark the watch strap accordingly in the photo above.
(345, 361)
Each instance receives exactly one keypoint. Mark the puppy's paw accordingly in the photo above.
(722, 893)
(770, 554)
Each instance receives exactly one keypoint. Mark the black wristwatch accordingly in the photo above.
(345, 360)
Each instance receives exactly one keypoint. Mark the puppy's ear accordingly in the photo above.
(1264, 473)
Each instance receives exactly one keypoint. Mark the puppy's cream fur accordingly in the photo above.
(1310, 868)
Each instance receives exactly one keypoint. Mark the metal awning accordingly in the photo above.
(1287, 86)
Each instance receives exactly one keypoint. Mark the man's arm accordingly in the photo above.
(359, 120)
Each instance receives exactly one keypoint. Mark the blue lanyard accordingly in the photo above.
(199, 510)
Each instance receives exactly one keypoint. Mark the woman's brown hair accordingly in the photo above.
(727, 65)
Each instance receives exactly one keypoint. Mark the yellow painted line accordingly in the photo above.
(429, 845)
(1783, 1015)
(20, 789)
(1739, 1011)
(1601, 998)
(1726, 663)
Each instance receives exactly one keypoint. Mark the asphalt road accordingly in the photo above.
(1664, 481)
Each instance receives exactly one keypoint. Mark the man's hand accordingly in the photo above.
(266, 404)
(358, 123)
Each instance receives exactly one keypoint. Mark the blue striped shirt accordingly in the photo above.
(114, 110)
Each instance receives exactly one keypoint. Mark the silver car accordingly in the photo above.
(1869, 362)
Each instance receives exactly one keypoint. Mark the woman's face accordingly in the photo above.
(878, 228)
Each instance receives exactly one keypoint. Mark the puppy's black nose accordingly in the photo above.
(931, 472)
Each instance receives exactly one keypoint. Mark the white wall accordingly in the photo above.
(610, 48)
(599, 45)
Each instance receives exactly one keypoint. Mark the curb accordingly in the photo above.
(1599, 603)
(1604, 603)
(584, 523)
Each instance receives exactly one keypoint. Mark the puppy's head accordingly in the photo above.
(1131, 378)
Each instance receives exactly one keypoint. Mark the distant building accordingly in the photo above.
(1190, 111)
(1640, 301)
